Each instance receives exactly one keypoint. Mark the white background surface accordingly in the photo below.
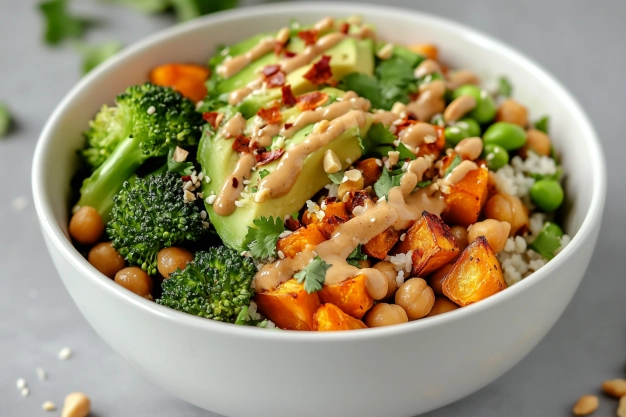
(579, 42)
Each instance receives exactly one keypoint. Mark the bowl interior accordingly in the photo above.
(460, 47)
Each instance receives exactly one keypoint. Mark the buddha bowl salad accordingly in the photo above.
(317, 178)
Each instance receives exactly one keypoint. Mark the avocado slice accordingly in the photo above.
(218, 161)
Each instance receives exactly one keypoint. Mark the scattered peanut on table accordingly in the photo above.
(585, 405)
(76, 404)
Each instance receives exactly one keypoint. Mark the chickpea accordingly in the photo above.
(536, 141)
(460, 234)
(171, 259)
(507, 208)
(495, 232)
(365, 263)
(436, 279)
(442, 305)
(513, 112)
(106, 259)
(136, 280)
(383, 314)
(416, 298)
(86, 226)
(389, 271)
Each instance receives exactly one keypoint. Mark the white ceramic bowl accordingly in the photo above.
(395, 371)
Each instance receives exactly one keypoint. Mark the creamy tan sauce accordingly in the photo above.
(470, 148)
(350, 101)
(263, 135)
(305, 57)
(429, 102)
(385, 117)
(282, 179)
(458, 173)
(234, 127)
(272, 275)
(418, 133)
(461, 77)
(427, 66)
(224, 205)
(232, 66)
(236, 96)
(325, 24)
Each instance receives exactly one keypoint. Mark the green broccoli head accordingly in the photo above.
(150, 214)
(159, 115)
(215, 285)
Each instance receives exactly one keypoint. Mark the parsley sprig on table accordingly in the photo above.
(262, 239)
(313, 275)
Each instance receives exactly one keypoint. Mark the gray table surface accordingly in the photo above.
(580, 42)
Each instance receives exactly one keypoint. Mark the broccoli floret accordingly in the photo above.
(147, 122)
(215, 285)
(150, 214)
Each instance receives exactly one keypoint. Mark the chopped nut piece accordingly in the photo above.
(394, 156)
(385, 52)
(621, 408)
(65, 353)
(332, 164)
(586, 404)
(76, 404)
(179, 155)
(615, 387)
(48, 406)
(353, 175)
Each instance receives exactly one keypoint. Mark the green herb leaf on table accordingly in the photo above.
(60, 24)
(405, 153)
(542, 124)
(5, 120)
(261, 240)
(355, 256)
(190, 9)
(548, 240)
(386, 182)
(455, 163)
(504, 87)
(313, 275)
(94, 55)
(337, 177)
(144, 6)
(182, 168)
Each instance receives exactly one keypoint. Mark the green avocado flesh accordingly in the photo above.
(218, 160)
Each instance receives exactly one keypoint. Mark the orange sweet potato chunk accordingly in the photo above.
(299, 240)
(370, 170)
(334, 214)
(381, 244)
(289, 305)
(432, 243)
(187, 79)
(350, 296)
(467, 198)
(475, 276)
(330, 318)
(428, 50)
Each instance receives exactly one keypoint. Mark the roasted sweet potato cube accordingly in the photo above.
(466, 198)
(432, 243)
(330, 318)
(433, 148)
(334, 214)
(188, 79)
(289, 305)
(475, 276)
(357, 199)
(350, 296)
(370, 169)
(299, 240)
(381, 244)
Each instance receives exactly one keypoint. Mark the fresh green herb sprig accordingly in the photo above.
(313, 275)
(261, 240)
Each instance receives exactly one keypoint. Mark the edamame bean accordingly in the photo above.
(547, 194)
(508, 135)
(496, 156)
(472, 127)
(455, 134)
(485, 109)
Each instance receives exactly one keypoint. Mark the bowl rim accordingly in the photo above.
(53, 231)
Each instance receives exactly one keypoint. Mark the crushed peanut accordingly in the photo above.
(585, 405)
(614, 387)
(76, 404)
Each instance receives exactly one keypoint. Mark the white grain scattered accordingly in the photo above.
(41, 374)
(65, 353)
(20, 383)
(48, 406)
(19, 203)
(151, 110)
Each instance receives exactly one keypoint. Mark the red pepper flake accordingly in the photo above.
(320, 72)
(271, 115)
(312, 100)
(288, 126)
(235, 182)
(292, 224)
(289, 54)
(270, 70)
(288, 98)
(264, 158)
(211, 117)
(308, 36)
(185, 178)
(344, 28)
(275, 80)
(241, 144)
(405, 123)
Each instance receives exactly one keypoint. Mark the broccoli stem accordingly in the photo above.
(99, 189)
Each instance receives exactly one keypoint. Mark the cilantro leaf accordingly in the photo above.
(60, 24)
(405, 153)
(262, 239)
(423, 184)
(189, 9)
(336, 177)
(548, 240)
(504, 87)
(263, 173)
(144, 6)
(182, 168)
(386, 182)
(5, 120)
(380, 135)
(245, 319)
(355, 256)
(365, 86)
(396, 80)
(542, 124)
(455, 162)
(94, 55)
(313, 275)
